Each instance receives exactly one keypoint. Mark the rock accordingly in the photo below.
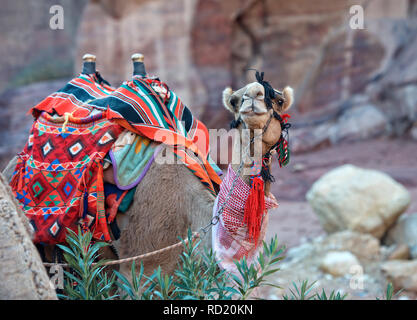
(298, 167)
(35, 52)
(330, 259)
(338, 263)
(361, 121)
(358, 123)
(404, 232)
(400, 252)
(168, 48)
(362, 200)
(363, 246)
(402, 274)
(305, 139)
(22, 274)
(324, 63)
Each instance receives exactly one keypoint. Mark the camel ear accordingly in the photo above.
(288, 94)
(232, 100)
(227, 93)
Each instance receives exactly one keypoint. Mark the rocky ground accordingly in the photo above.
(298, 227)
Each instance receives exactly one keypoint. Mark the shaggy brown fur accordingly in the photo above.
(168, 201)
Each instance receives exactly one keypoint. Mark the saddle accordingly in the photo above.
(58, 179)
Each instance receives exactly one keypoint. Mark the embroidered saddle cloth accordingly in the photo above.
(58, 178)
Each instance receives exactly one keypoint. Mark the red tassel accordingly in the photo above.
(285, 117)
(255, 208)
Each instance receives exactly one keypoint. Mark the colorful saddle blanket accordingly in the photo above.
(59, 176)
(146, 107)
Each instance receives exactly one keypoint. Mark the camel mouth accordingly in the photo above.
(251, 113)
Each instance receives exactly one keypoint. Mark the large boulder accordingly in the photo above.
(402, 274)
(358, 123)
(357, 199)
(404, 232)
(22, 274)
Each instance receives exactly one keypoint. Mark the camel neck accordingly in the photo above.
(247, 177)
(238, 156)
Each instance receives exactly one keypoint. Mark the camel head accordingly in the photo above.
(258, 106)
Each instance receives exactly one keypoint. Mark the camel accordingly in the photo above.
(170, 199)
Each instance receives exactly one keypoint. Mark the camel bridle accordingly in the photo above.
(267, 155)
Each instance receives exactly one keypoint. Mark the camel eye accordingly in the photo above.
(234, 101)
(280, 102)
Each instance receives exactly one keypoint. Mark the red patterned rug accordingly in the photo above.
(58, 179)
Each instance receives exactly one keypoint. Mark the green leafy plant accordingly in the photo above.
(196, 277)
(389, 293)
(303, 291)
(254, 275)
(332, 296)
(164, 285)
(87, 281)
(140, 288)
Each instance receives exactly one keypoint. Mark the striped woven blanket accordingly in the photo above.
(146, 107)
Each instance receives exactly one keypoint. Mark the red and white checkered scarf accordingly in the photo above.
(230, 237)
